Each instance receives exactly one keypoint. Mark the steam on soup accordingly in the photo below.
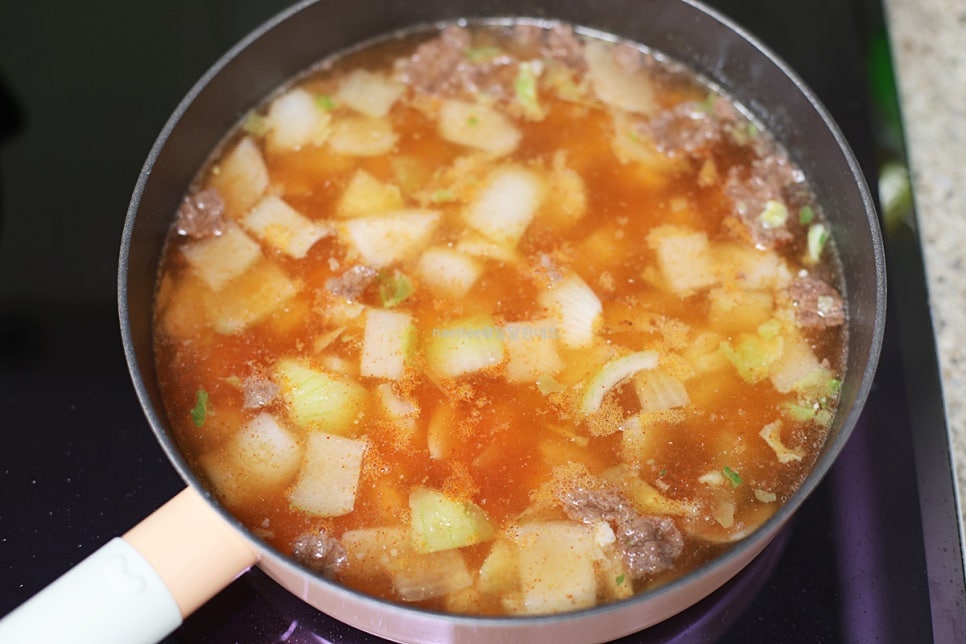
(500, 320)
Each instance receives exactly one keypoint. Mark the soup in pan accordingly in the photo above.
(500, 320)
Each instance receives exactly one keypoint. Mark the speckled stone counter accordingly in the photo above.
(929, 50)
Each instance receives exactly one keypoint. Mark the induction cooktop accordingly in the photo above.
(873, 555)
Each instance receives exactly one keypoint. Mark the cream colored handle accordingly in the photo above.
(192, 549)
(138, 588)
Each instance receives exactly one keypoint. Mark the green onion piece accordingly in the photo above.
(255, 124)
(732, 476)
(325, 102)
(472, 121)
(834, 387)
(525, 86)
(200, 410)
(482, 54)
(442, 196)
(662, 473)
(774, 215)
(620, 580)
(823, 417)
(817, 236)
(800, 413)
(806, 215)
(707, 105)
(770, 329)
(394, 289)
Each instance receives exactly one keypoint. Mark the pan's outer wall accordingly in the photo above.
(310, 31)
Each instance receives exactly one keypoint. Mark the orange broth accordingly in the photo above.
(474, 438)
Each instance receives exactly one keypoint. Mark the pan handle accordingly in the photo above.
(139, 587)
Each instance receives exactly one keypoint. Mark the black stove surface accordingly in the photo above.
(873, 555)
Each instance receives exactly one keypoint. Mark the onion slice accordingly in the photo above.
(612, 373)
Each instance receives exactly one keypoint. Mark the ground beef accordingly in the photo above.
(817, 305)
(258, 392)
(770, 178)
(561, 44)
(694, 127)
(201, 215)
(321, 553)
(648, 545)
(441, 67)
(351, 284)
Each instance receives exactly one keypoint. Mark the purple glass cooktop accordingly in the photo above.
(873, 555)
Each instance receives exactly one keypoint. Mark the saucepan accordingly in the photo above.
(139, 587)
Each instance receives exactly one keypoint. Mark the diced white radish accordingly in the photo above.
(749, 268)
(531, 349)
(265, 451)
(557, 571)
(403, 411)
(329, 478)
(478, 245)
(241, 178)
(441, 522)
(464, 346)
(612, 373)
(567, 194)
(316, 399)
(362, 136)
(577, 309)
(658, 390)
(366, 195)
(477, 126)
(447, 272)
(505, 206)
(249, 298)
(424, 576)
(392, 237)
(772, 435)
(369, 93)
(441, 436)
(739, 309)
(282, 227)
(500, 571)
(386, 344)
(684, 258)
(218, 260)
(295, 120)
(615, 85)
(798, 366)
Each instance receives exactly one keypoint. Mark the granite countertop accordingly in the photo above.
(929, 51)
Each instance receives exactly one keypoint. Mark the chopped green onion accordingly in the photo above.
(817, 237)
(662, 473)
(482, 54)
(800, 413)
(770, 329)
(325, 102)
(732, 476)
(442, 196)
(200, 410)
(834, 386)
(394, 289)
(255, 124)
(707, 105)
(473, 120)
(823, 417)
(774, 215)
(806, 215)
(620, 580)
(525, 86)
